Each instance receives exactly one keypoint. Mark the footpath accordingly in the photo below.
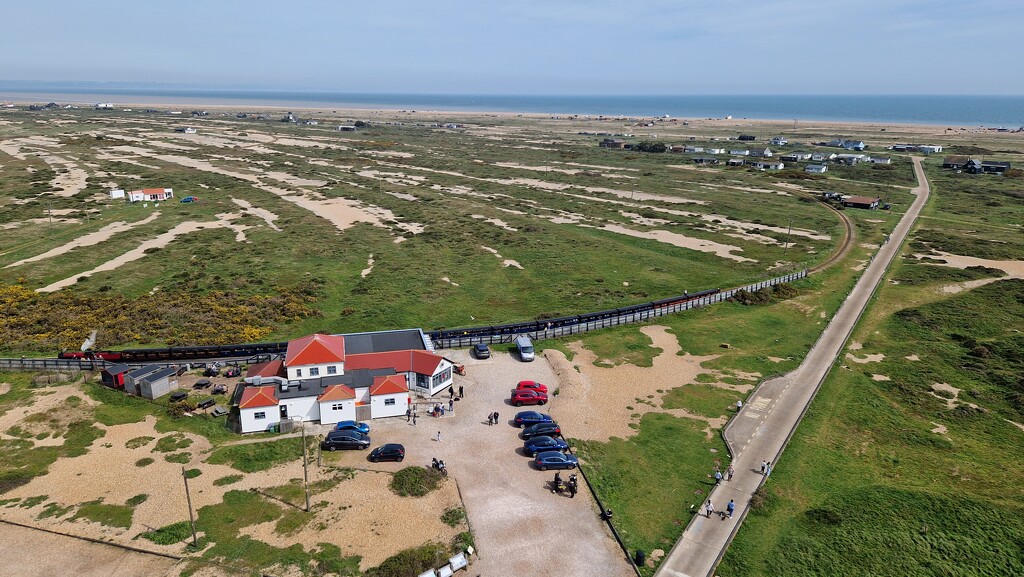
(764, 426)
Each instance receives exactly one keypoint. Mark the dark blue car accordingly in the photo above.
(526, 418)
(549, 429)
(353, 426)
(554, 460)
(544, 443)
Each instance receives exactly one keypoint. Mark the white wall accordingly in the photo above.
(293, 371)
(305, 408)
(379, 409)
(346, 413)
(252, 425)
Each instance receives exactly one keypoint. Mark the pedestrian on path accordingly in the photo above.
(730, 507)
(729, 473)
(764, 467)
(451, 405)
(460, 392)
(709, 509)
(408, 415)
(768, 469)
(490, 419)
(718, 478)
(739, 405)
(414, 418)
(439, 436)
(495, 417)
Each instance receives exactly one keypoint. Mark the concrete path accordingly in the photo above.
(761, 430)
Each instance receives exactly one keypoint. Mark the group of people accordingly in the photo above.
(571, 486)
(709, 509)
(492, 419)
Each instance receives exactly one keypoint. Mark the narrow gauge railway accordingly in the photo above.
(195, 353)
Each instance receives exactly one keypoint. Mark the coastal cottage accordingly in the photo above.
(955, 162)
(816, 168)
(735, 162)
(867, 202)
(779, 141)
(150, 195)
(769, 165)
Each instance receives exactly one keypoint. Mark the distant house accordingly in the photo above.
(105, 106)
(903, 148)
(986, 167)
(739, 152)
(955, 162)
(117, 193)
(861, 202)
(693, 149)
(185, 129)
(746, 137)
(816, 168)
(823, 156)
(795, 156)
(113, 375)
(854, 145)
(715, 150)
(705, 160)
(612, 143)
(347, 128)
(929, 148)
(779, 141)
(879, 160)
(763, 153)
(735, 162)
(769, 165)
(150, 195)
(851, 159)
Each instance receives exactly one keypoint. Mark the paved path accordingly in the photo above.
(763, 427)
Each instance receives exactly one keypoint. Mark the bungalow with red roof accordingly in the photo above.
(150, 194)
(331, 378)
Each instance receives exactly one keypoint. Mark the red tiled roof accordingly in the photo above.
(389, 385)
(315, 350)
(254, 397)
(421, 362)
(337, 393)
(273, 368)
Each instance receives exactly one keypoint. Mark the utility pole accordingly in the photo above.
(305, 465)
(191, 516)
(785, 251)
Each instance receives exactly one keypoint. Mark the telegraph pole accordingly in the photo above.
(191, 516)
(785, 251)
(305, 465)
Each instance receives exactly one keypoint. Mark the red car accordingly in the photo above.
(532, 385)
(522, 397)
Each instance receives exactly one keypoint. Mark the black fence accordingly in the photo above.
(450, 339)
(63, 365)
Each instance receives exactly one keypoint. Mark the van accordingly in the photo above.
(525, 347)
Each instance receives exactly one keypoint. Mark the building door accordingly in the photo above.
(363, 412)
(284, 412)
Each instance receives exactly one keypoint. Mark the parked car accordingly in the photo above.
(179, 397)
(555, 460)
(233, 372)
(202, 384)
(481, 351)
(190, 199)
(526, 418)
(522, 397)
(389, 452)
(544, 443)
(533, 385)
(549, 429)
(345, 440)
(352, 426)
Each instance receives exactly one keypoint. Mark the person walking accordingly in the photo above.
(460, 392)
(764, 467)
(718, 478)
(709, 509)
(439, 436)
(729, 473)
(490, 419)
(768, 469)
(414, 418)
(730, 507)
(451, 405)
(495, 417)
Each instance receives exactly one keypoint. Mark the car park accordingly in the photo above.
(543, 443)
(526, 418)
(202, 384)
(352, 426)
(388, 452)
(522, 397)
(345, 440)
(532, 385)
(548, 429)
(555, 460)
(481, 351)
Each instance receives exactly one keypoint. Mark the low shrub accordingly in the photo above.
(415, 481)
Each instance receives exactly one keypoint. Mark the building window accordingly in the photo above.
(442, 377)
(332, 370)
(314, 372)
(259, 415)
(337, 407)
(390, 401)
(298, 372)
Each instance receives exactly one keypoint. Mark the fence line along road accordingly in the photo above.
(764, 426)
(611, 321)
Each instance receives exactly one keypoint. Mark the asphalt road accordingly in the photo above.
(762, 428)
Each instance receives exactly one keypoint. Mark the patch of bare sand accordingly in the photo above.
(593, 400)
(951, 402)
(880, 378)
(93, 238)
(45, 400)
(495, 221)
(369, 267)
(939, 429)
(872, 358)
(449, 281)
(683, 241)
(19, 223)
(1016, 424)
(912, 358)
(1014, 269)
(776, 359)
(4, 389)
(507, 262)
(267, 216)
(387, 522)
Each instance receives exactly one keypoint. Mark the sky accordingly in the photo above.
(552, 47)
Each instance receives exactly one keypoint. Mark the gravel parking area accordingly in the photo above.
(520, 527)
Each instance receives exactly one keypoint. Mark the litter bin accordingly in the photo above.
(274, 428)
(639, 558)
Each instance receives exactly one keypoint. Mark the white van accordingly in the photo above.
(525, 347)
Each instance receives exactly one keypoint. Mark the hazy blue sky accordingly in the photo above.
(526, 46)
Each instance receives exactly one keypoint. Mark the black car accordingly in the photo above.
(481, 351)
(550, 429)
(526, 418)
(543, 443)
(345, 440)
(388, 452)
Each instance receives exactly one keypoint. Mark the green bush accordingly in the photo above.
(144, 461)
(452, 517)
(415, 481)
(171, 534)
(412, 561)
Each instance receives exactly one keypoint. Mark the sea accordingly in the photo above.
(953, 111)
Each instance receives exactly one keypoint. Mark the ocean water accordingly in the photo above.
(954, 111)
